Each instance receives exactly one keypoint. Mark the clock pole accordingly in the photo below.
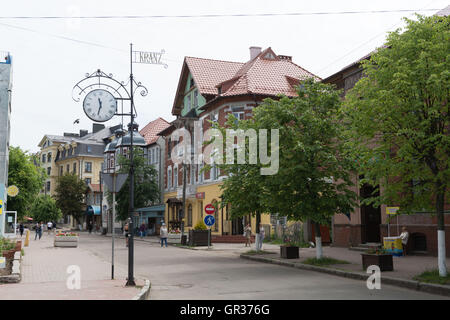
(130, 280)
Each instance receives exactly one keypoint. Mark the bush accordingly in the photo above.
(200, 226)
(6, 244)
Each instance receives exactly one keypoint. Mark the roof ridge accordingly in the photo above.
(214, 60)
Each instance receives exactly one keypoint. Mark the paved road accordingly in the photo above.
(178, 273)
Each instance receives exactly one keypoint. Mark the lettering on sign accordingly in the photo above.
(148, 57)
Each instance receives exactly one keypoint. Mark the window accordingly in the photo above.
(88, 181)
(74, 167)
(188, 102)
(49, 157)
(89, 148)
(175, 177)
(214, 116)
(48, 186)
(61, 170)
(195, 98)
(88, 167)
(169, 148)
(68, 168)
(200, 173)
(215, 172)
(169, 178)
(43, 158)
(49, 170)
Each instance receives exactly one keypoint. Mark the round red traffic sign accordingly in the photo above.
(209, 209)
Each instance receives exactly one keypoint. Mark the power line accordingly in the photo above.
(216, 15)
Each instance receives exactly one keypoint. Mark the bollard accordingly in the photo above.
(27, 238)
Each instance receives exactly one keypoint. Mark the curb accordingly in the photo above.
(145, 292)
(409, 284)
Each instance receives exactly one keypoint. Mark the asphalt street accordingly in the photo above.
(177, 273)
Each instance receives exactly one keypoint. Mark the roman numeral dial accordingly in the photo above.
(99, 105)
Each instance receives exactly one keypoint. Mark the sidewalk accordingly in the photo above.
(44, 275)
(405, 267)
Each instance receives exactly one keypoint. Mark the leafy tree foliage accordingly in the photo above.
(24, 173)
(45, 209)
(69, 196)
(399, 119)
(146, 188)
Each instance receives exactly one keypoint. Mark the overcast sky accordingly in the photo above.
(46, 66)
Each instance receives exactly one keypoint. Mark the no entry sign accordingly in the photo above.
(209, 209)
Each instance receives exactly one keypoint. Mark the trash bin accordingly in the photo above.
(184, 240)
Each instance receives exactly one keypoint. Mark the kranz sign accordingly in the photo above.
(148, 57)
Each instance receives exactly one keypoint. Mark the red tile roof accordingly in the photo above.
(151, 130)
(267, 76)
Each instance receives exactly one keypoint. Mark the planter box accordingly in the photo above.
(289, 252)
(18, 245)
(66, 241)
(384, 261)
(199, 237)
(9, 254)
(174, 238)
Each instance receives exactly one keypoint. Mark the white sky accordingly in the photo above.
(45, 67)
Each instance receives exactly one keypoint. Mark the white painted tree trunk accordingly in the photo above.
(319, 251)
(441, 253)
(257, 242)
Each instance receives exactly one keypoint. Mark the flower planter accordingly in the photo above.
(199, 237)
(384, 261)
(289, 252)
(9, 254)
(18, 246)
(66, 241)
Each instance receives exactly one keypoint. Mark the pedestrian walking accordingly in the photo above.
(89, 227)
(142, 230)
(248, 235)
(41, 229)
(262, 234)
(49, 227)
(163, 234)
(36, 228)
(21, 228)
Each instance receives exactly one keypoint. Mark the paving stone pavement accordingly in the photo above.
(45, 275)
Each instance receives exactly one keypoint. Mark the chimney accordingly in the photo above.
(83, 133)
(254, 51)
(96, 127)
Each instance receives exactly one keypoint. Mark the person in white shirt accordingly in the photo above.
(404, 236)
(49, 227)
(163, 234)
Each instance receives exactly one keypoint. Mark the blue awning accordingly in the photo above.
(93, 210)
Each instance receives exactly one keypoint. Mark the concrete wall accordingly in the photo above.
(5, 112)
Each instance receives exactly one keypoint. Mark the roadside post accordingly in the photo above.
(209, 220)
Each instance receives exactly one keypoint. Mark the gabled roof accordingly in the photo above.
(267, 74)
(151, 130)
(207, 73)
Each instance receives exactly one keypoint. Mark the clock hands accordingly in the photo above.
(100, 103)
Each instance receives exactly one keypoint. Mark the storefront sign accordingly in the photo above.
(200, 195)
(392, 210)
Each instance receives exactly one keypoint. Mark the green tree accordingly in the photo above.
(146, 188)
(45, 209)
(313, 179)
(399, 120)
(27, 177)
(70, 191)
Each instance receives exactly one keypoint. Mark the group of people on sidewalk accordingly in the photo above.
(39, 228)
(248, 236)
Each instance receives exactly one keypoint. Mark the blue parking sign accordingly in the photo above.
(209, 220)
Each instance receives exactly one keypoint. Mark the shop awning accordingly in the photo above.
(152, 209)
(174, 200)
(93, 210)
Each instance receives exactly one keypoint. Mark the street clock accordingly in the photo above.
(99, 105)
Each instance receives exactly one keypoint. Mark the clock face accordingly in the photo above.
(99, 105)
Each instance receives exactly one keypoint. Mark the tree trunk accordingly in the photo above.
(257, 239)
(319, 252)
(440, 199)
